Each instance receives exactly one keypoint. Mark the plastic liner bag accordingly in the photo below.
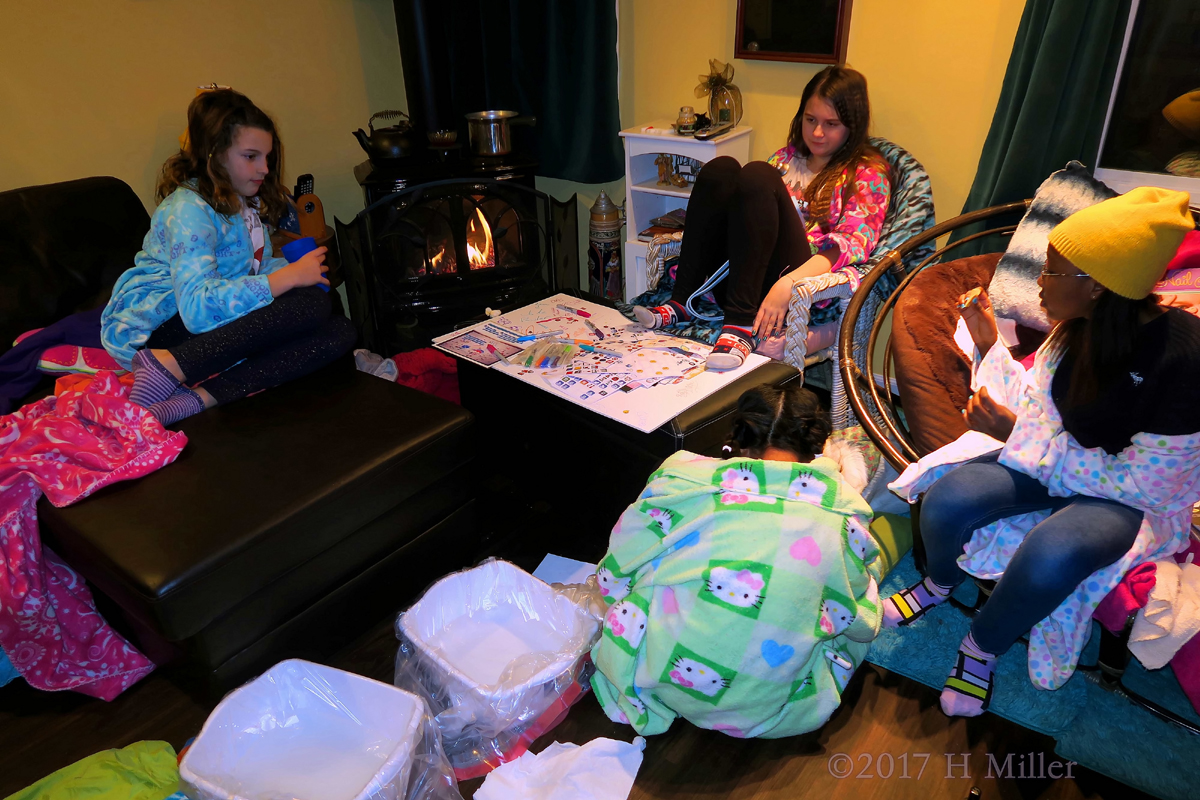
(303, 731)
(499, 656)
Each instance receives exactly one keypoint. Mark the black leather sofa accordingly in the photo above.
(293, 520)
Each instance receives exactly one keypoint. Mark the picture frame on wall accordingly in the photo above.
(808, 31)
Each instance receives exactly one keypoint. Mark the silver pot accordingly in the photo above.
(490, 133)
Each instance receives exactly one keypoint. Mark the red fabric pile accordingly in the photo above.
(430, 371)
(1130, 596)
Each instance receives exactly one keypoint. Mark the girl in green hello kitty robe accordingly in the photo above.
(742, 593)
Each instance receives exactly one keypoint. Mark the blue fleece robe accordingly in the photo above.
(194, 261)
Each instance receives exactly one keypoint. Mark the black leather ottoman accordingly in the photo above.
(588, 466)
(292, 521)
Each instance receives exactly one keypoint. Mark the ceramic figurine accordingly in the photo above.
(663, 162)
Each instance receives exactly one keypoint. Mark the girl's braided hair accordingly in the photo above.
(789, 419)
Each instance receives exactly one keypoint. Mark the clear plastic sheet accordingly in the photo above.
(499, 656)
(587, 596)
(304, 731)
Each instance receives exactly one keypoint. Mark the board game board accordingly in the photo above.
(638, 377)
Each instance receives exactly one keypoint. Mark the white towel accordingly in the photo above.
(1171, 616)
(602, 769)
(850, 463)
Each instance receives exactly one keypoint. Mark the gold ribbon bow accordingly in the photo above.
(719, 75)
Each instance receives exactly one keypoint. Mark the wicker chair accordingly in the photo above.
(876, 406)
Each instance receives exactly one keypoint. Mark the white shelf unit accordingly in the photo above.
(645, 199)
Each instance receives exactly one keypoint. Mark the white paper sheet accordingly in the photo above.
(558, 569)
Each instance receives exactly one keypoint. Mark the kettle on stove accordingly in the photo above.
(390, 142)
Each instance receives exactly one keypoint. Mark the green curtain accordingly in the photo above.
(552, 59)
(1053, 100)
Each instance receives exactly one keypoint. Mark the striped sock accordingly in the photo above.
(968, 689)
(181, 405)
(661, 316)
(733, 346)
(905, 606)
(152, 382)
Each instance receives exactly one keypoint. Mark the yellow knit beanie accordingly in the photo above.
(1184, 113)
(1125, 242)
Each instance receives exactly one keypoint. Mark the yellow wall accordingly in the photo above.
(101, 87)
(95, 87)
(934, 68)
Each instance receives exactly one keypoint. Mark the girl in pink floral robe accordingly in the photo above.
(818, 205)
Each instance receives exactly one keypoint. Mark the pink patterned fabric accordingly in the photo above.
(853, 226)
(1128, 598)
(68, 447)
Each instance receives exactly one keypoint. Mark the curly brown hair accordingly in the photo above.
(213, 120)
(846, 90)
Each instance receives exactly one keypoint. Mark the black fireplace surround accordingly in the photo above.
(422, 260)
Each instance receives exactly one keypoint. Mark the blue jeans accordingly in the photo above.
(1082, 535)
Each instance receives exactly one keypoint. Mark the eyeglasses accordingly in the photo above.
(1045, 274)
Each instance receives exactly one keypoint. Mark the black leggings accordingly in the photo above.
(745, 215)
(293, 336)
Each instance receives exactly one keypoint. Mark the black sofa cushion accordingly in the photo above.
(269, 488)
(62, 246)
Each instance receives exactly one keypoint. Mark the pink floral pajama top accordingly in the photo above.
(853, 226)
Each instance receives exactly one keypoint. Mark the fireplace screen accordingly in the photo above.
(422, 260)
(490, 235)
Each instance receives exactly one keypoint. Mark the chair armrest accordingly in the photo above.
(661, 248)
(805, 292)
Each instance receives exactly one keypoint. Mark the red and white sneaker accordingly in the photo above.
(660, 316)
(731, 349)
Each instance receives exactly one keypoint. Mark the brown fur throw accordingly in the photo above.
(933, 375)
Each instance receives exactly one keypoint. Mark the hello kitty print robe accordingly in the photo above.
(1158, 475)
(741, 595)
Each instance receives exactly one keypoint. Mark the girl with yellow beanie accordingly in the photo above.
(1088, 464)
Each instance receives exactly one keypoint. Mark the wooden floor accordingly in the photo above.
(884, 727)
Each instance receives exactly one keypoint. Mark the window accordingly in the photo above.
(1152, 130)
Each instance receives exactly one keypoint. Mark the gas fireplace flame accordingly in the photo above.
(480, 252)
(435, 263)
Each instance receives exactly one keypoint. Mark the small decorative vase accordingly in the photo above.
(725, 104)
(724, 99)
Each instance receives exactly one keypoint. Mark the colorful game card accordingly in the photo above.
(473, 346)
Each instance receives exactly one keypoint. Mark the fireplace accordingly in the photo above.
(447, 233)
(424, 259)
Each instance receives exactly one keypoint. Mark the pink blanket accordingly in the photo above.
(68, 447)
